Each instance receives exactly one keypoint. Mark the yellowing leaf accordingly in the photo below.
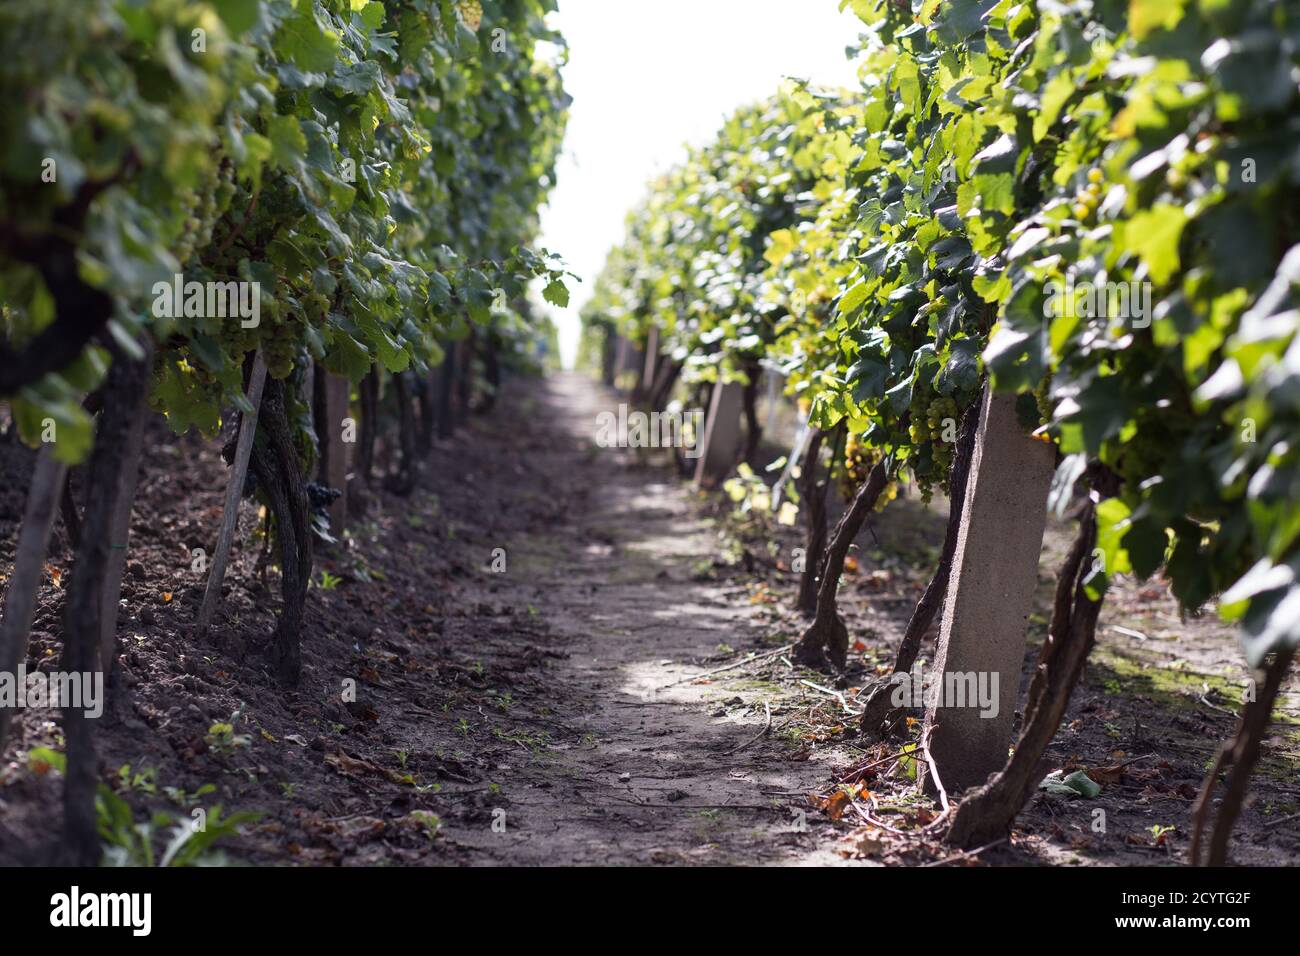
(783, 243)
(1145, 16)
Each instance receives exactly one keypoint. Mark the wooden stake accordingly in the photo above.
(336, 405)
(121, 536)
(29, 562)
(234, 491)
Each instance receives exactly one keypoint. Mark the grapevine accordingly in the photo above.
(1040, 200)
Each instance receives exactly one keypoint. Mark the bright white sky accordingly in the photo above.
(647, 78)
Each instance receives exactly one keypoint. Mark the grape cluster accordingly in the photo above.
(858, 459)
(939, 411)
(321, 497)
(281, 343)
(928, 418)
(1043, 398)
(471, 13)
(316, 306)
(1088, 198)
(206, 204)
(934, 456)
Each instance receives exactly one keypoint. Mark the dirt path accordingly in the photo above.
(659, 771)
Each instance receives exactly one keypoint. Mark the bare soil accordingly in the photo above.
(560, 710)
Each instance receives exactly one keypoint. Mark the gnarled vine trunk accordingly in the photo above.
(427, 419)
(753, 430)
(68, 511)
(403, 482)
(987, 813)
(815, 517)
(825, 642)
(608, 356)
(279, 476)
(465, 354)
(699, 400)
(1240, 754)
(124, 392)
(878, 713)
(446, 413)
(666, 375)
(491, 373)
(368, 391)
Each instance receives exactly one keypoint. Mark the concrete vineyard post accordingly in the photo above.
(994, 576)
(720, 443)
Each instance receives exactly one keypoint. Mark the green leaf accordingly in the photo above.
(1077, 784)
(42, 759)
(961, 370)
(1112, 526)
(239, 16)
(868, 377)
(960, 19)
(556, 293)
(1154, 235)
(45, 415)
(306, 43)
(288, 143)
(1146, 543)
(1272, 623)
(178, 394)
(348, 357)
(854, 297)
(1057, 93)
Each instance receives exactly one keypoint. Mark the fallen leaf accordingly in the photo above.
(871, 846)
(1107, 775)
(357, 828)
(836, 804)
(353, 767)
